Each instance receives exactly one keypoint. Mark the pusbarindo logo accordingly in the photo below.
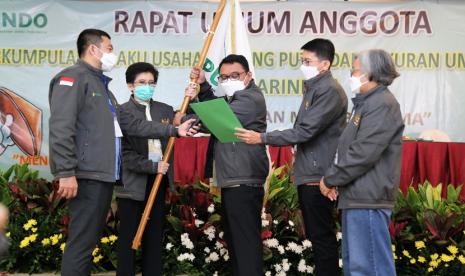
(23, 22)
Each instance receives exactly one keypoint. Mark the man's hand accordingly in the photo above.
(163, 167)
(327, 192)
(197, 73)
(186, 129)
(248, 136)
(191, 91)
(5, 132)
(68, 187)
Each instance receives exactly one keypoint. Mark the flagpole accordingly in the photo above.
(169, 148)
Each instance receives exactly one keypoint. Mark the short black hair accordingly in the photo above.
(140, 67)
(233, 59)
(323, 49)
(88, 37)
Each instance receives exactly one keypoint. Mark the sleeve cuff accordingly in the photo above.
(64, 174)
(263, 138)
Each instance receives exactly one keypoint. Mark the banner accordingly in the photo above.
(38, 39)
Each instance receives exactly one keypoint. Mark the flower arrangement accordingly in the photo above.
(427, 230)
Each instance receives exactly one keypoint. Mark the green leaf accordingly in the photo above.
(175, 222)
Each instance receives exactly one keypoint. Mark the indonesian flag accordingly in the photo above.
(68, 81)
(230, 38)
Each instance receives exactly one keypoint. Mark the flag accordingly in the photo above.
(68, 81)
(230, 38)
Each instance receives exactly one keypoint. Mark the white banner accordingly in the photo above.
(38, 38)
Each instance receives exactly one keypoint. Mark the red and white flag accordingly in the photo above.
(67, 81)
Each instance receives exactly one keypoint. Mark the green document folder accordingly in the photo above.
(218, 117)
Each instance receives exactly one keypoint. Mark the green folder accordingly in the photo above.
(218, 117)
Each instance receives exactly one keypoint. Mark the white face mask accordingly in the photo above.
(355, 84)
(230, 87)
(309, 71)
(108, 61)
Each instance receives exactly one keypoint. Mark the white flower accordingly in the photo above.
(186, 256)
(223, 251)
(281, 249)
(169, 246)
(340, 263)
(210, 232)
(338, 236)
(310, 269)
(277, 267)
(268, 273)
(286, 265)
(216, 273)
(275, 222)
(265, 223)
(221, 234)
(211, 208)
(213, 257)
(294, 247)
(218, 245)
(281, 273)
(226, 257)
(207, 250)
(271, 243)
(186, 241)
(198, 222)
(301, 267)
(291, 223)
(306, 244)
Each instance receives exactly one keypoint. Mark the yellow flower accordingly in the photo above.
(412, 261)
(62, 246)
(104, 240)
(112, 238)
(26, 226)
(95, 251)
(46, 241)
(434, 264)
(98, 258)
(421, 259)
(435, 256)
(406, 254)
(33, 237)
(34, 229)
(430, 269)
(393, 248)
(55, 239)
(32, 222)
(8, 234)
(395, 256)
(453, 249)
(420, 244)
(461, 259)
(24, 242)
(446, 258)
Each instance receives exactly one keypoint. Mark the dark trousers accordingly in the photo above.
(88, 212)
(318, 214)
(241, 207)
(130, 212)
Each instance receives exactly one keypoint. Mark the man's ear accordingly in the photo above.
(326, 65)
(130, 87)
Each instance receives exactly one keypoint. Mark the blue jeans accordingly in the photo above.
(366, 244)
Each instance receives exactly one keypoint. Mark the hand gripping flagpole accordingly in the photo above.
(169, 148)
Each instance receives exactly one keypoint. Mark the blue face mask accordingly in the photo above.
(144, 92)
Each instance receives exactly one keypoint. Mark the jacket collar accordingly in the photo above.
(93, 70)
(361, 97)
(139, 106)
(308, 84)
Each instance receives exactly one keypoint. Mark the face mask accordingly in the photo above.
(144, 92)
(229, 87)
(355, 84)
(108, 61)
(309, 71)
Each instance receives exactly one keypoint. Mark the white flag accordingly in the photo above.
(230, 38)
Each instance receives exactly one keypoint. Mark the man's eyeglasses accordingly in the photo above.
(150, 83)
(232, 76)
(307, 61)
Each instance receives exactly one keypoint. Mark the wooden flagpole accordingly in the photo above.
(169, 148)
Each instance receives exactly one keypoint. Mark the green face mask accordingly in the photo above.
(144, 92)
